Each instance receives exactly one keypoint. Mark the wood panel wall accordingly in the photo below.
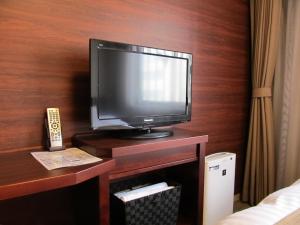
(44, 62)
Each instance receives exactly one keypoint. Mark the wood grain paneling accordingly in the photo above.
(44, 62)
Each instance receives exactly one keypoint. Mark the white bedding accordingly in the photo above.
(269, 211)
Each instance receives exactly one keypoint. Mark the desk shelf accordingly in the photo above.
(183, 153)
(21, 176)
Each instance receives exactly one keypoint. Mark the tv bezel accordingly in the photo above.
(140, 122)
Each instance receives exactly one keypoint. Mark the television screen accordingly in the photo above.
(134, 86)
(140, 85)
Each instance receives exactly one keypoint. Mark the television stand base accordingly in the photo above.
(146, 134)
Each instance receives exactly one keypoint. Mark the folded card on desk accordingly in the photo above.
(129, 195)
(64, 158)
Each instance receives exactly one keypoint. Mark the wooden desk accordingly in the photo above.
(135, 157)
(21, 175)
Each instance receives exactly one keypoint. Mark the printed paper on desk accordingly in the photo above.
(65, 158)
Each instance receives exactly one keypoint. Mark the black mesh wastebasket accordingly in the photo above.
(156, 209)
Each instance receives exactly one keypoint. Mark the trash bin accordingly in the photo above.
(156, 209)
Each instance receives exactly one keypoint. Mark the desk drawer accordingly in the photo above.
(149, 161)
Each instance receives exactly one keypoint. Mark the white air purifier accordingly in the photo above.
(218, 187)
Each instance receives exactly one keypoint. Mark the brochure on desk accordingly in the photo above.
(64, 158)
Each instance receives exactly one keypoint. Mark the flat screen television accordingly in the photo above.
(138, 87)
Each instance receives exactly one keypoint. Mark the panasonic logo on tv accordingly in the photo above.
(149, 120)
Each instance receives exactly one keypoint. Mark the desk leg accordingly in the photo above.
(201, 157)
(104, 199)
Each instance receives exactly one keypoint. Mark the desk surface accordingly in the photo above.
(118, 147)
(21, 174)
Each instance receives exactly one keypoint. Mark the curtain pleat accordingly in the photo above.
(259, 179)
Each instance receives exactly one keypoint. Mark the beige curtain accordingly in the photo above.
(286, 97)
(259, 177)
